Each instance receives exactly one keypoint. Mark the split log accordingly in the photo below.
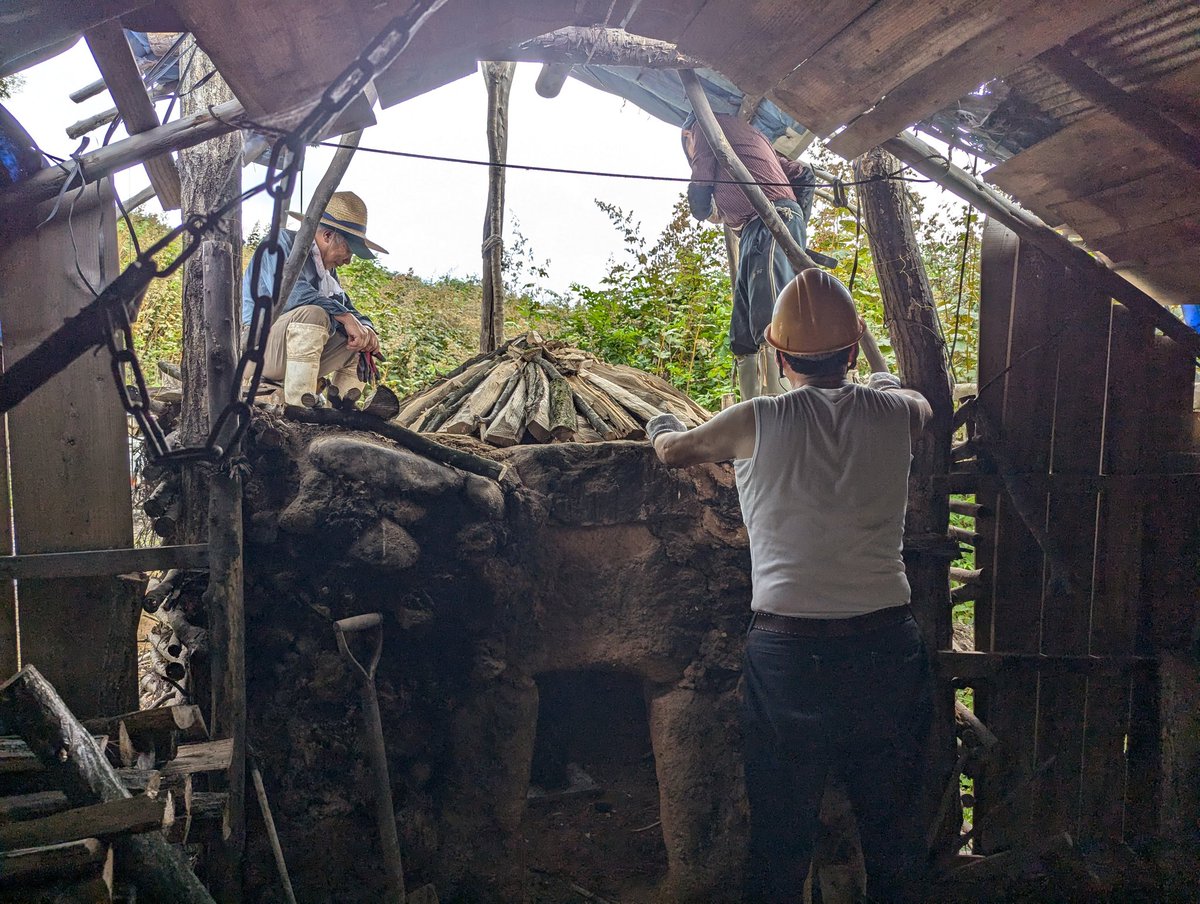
(508, 425)
(652, 390)
(122, 816)
(162, 497)
(355, 420)
(973, 509)
(510, 386)
(62, 861)
(962, 535)
(146, 724)
(31, 806)
(29, 704)
(466, 420)
(627, 399)
(622, 424)
(202, 817)
(583, 430)
(422, 402)
(537, 403)
(595, 423)
(562, 405)
(442, 412)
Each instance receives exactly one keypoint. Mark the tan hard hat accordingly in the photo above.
(814, 315)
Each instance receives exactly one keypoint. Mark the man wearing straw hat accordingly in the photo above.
(319, 332)
(836, 676)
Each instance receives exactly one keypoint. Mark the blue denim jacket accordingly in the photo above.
(304, 292)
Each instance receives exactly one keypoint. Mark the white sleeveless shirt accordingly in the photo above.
(823, 498)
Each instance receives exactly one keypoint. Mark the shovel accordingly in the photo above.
(376, 753)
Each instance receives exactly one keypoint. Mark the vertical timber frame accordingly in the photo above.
(912, 321)
(498, 77)
(68, 451)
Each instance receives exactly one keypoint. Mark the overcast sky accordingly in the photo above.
(429, 215)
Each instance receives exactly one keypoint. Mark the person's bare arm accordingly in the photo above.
(920, 412)
(729, 435)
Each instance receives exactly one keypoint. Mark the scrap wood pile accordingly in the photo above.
(72, 793)
(535, 391)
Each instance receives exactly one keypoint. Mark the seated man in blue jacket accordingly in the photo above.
(320, 332)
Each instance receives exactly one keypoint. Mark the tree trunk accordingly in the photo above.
(921, 354)
(211, 174)
(498, 77)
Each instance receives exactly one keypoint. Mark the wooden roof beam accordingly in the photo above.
(120, 155)
(1132, 111)
(577, 45)
(934, 166)
(124, 80)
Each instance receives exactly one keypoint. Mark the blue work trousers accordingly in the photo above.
(763, 271)
(855, 707)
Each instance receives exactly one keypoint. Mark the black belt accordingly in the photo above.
(830, 627)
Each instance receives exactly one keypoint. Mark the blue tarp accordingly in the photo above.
(660, 93)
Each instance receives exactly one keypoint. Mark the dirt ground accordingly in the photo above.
(606, 841)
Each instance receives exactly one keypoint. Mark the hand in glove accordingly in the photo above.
(663, 423)
(883, 382)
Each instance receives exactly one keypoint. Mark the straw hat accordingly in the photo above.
(814, 315)
(346, 213)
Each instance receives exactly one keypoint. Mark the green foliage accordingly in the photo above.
(663, 308)
(10, 85)
(158, 331)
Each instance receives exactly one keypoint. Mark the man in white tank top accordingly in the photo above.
(836, 675)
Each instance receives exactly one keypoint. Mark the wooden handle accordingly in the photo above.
(359, 622)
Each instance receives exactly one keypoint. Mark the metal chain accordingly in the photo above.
(121, 299)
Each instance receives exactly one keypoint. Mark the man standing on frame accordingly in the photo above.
(836, 675)
(762, 268)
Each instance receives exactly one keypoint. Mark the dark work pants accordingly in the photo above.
(858, 707)
(763, 270)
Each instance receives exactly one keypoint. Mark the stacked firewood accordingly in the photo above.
(72, 793)
(533, 391)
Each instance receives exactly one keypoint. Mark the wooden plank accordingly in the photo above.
(1092, 153)
(1078, 425)
(887, 44)
(32, 26)
(1018, 573)
(69, 455)
(87, 563)
(58, 862)
(1131, 110)
(1116, 605)
(756, 43)
(1028, 28)
(206, 756)
(1166, 193)
(9, 642)
(980, 666)
(1134, 247)
(115, 60)
(129, 815)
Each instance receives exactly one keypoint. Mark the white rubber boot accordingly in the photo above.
(747, 376)
(305, 342)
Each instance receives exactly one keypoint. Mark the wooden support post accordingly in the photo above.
(30, 706)
(226, 615)
(764, 208)
(933, 165)
(551, 79)
(911, 315)
(115, 60)
(302, 246)
(212, 175)
(498, 78)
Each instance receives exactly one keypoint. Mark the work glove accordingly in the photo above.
(663, 423)
(883, 381)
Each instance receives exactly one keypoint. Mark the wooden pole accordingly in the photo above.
(498, 78)
(226, 613)
(599, 46)
(1131, 110)
(933, 165)
(212, 175)
(184, 132)
(796, 255)
(302, 246)
(30, 706)
(911, 315)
